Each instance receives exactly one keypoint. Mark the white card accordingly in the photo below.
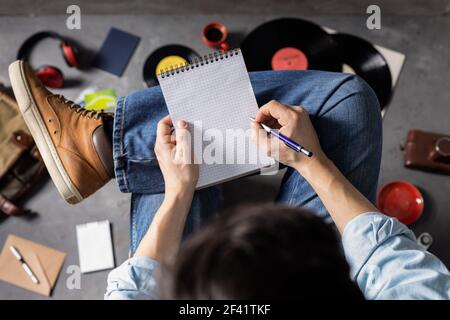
(95, 249)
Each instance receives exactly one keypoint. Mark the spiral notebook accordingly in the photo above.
(214, 95)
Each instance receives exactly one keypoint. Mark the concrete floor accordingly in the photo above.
(421, 101)
(249, 7)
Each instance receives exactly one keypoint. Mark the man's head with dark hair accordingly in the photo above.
(261, 252)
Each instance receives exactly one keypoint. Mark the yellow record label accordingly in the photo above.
(170, 61)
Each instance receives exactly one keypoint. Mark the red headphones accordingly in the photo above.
(50, 76)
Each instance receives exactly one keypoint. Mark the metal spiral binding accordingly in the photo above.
(198, 62)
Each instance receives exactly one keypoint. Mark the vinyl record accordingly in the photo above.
(367, 62)
(163, 58)
(290, 44)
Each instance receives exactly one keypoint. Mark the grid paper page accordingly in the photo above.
(214, 98)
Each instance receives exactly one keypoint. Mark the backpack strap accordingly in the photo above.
(10, 208)
(22, 139)
(25, 141)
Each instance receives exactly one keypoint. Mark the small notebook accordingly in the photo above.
(214, 95)
(116, 51)
(95, 249)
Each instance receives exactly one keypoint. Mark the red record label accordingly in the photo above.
(289, 59)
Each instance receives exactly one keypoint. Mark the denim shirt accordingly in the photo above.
(384, 258)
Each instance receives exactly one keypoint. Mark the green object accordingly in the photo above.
(100, 100)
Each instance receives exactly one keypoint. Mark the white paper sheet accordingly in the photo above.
(95, 249)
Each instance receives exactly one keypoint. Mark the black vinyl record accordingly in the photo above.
(367, 62)
(290, 44)
(163, 57)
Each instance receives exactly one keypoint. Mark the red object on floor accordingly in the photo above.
(215, 35)
(402, 200)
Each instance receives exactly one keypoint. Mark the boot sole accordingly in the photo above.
(39, 131)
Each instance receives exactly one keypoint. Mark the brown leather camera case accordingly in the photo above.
(427, 151)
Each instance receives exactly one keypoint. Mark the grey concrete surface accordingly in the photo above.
(250, 7)
(421, 101)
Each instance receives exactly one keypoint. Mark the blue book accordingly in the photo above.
(116, 51)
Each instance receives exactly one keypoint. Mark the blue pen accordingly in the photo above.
(291, 144)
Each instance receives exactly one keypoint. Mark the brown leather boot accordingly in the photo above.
(71, 140)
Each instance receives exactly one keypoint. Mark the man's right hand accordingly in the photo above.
(294, 123)
(342, 200)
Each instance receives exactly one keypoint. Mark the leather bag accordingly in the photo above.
(21, 165)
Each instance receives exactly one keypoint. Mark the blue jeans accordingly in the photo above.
(344, 111)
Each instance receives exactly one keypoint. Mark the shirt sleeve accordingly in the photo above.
(387, 263)
(132, 280)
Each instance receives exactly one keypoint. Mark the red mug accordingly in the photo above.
(214, 35)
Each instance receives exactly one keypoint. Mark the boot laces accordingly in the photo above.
(79, 109)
